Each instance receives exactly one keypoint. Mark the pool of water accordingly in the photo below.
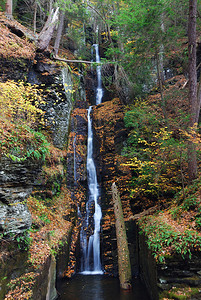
(98, 287)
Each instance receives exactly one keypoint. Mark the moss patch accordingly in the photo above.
(182, 293)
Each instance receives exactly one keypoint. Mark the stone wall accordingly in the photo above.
(57, 85)
(148, 268)
(176, 274)
(16, 182)
(18, 179)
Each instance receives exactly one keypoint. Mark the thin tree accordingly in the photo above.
(193, 107)
(59, 32)
(47, 32)
(35, 15)
(9, 8)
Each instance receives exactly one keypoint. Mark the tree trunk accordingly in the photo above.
(50, 6)
(59, 33)
(122, 243)
(9, 8)
(192, 159)
(160, 82)
(161, 51)
(198, 100)
(104, 20)
(46, 33)
(35, 15)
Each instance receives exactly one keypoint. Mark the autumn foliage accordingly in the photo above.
(156, 152)
(156, 148)
(20, 118)
(11, 45)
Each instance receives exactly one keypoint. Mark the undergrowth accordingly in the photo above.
(181, 293)
(165, 240)
(157, 153)
(157, 146)
(21, 121)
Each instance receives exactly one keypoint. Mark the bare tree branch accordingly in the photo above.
(73, 60)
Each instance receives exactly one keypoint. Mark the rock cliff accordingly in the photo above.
(16, 182)
(45, 180)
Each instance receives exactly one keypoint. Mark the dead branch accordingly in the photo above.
(73, 60)
(147, 212)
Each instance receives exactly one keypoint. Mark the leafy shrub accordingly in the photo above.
(155, 156)
(198, 222)
(20, 118)
(164, 240)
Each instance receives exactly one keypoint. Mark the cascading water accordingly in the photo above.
(99, 91)
(93, 287)
(90, 239)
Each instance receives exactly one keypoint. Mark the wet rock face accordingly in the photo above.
(175, 274)
(16, 181)
(109, 91)
(77, 148)
(77, 154)
(63, 109)
(178, 271)
(58, 89)
(76, 177)
(109, 135)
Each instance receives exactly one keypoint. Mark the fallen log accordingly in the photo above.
(73, 60)
(122, 243)
(146, 212)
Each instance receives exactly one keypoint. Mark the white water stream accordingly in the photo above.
(90, 240)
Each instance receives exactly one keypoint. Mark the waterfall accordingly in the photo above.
(99, 91)
(90, 239)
